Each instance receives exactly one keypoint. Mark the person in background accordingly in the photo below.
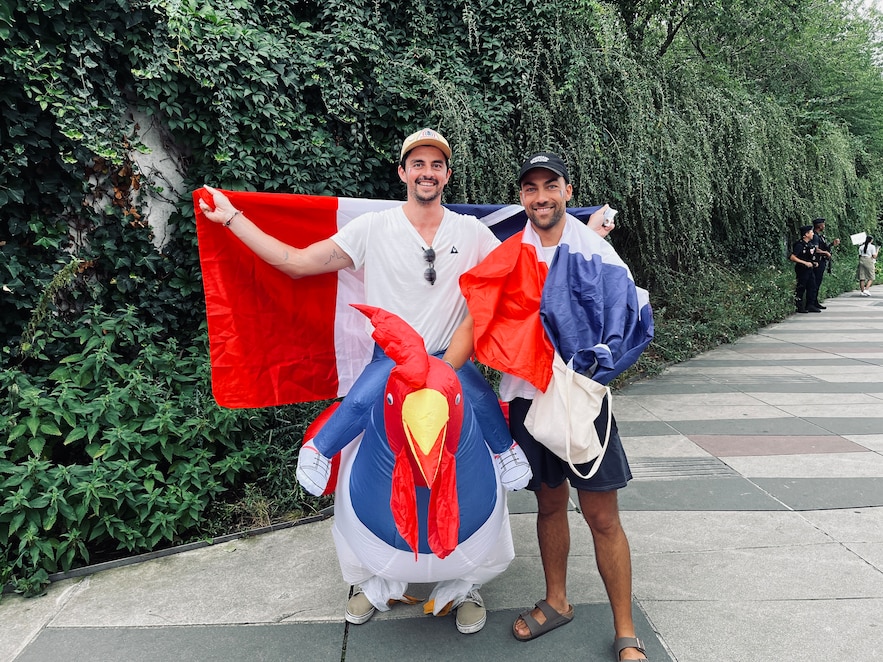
(823, 256)
(867, 265)
(802, 253)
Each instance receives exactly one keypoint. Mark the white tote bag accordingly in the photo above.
(563, 417)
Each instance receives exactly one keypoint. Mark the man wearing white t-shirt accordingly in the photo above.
(412, 256)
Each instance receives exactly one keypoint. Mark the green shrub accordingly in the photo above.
(695, 315)
(119, 448)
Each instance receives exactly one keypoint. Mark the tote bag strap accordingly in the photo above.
(567, 436)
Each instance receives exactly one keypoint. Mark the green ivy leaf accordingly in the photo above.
(37, 444)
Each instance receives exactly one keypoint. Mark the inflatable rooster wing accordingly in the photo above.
(418, 493)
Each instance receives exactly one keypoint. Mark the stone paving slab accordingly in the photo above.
(865, 465)
(762, 631)
(738, 362)
(855, 525)
(786, 425)
(871, 553)
(185, 589)
(22, 619)
(718, 494)
(786, 572)
(757, 387)
(873, 442)
(671, 445)
(822, 400)
(748, 369)
(645, 428)
(678, 532)
(842, 426)
(870, 377)
(705, 412)
(738, 445)
(823, 411)
(663, 386)
(316, 642)
(667, 403)
(824, 493)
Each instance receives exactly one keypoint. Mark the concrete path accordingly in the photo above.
(755, 520)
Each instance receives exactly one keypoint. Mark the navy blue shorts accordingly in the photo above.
(548, 468)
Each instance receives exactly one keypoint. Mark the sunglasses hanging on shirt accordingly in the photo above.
(429, 274)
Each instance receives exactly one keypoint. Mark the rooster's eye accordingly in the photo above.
(457, 399)
(389, 398)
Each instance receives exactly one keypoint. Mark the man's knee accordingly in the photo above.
(601, 511)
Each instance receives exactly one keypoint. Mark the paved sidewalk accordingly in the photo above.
(755, 520)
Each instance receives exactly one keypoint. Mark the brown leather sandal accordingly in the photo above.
(628, 642)
(554, 619)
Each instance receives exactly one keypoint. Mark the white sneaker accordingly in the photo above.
(358, 609)
(313, 469)
(471, 614)
(515, 470)
(865, 293)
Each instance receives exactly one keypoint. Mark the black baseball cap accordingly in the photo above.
(818, 221)
(804, 229)
(547, 160)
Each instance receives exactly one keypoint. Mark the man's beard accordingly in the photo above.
(421, 195)
(547, 224)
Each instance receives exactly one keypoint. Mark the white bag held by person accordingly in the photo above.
(563, 417)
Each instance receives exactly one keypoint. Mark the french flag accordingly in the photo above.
(274, 340)
(582, 304)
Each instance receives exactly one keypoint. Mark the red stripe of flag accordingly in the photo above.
(271, 338)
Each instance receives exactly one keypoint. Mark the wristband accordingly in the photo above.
(230, 220)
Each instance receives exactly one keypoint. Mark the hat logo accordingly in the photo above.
(539, 159)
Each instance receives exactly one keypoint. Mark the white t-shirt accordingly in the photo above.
(391, 251)
(871, 250)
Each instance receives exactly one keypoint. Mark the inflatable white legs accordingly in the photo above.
(384, 572)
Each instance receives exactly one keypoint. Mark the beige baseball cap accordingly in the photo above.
(426, 137)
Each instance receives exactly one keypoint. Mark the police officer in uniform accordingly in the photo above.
(803, 257)
(822, 255)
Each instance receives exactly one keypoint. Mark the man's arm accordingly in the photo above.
(796, 259)
(596, 222)
(318, 258)
(461, 347)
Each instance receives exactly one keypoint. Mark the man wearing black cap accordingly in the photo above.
(823, 256)
(802, 253)
(545, 190)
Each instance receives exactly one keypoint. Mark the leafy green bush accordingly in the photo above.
(720, 307)
(138, 410)
(699, 314)
(272, 494)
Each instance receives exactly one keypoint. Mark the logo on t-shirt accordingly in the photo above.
(454, 250)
